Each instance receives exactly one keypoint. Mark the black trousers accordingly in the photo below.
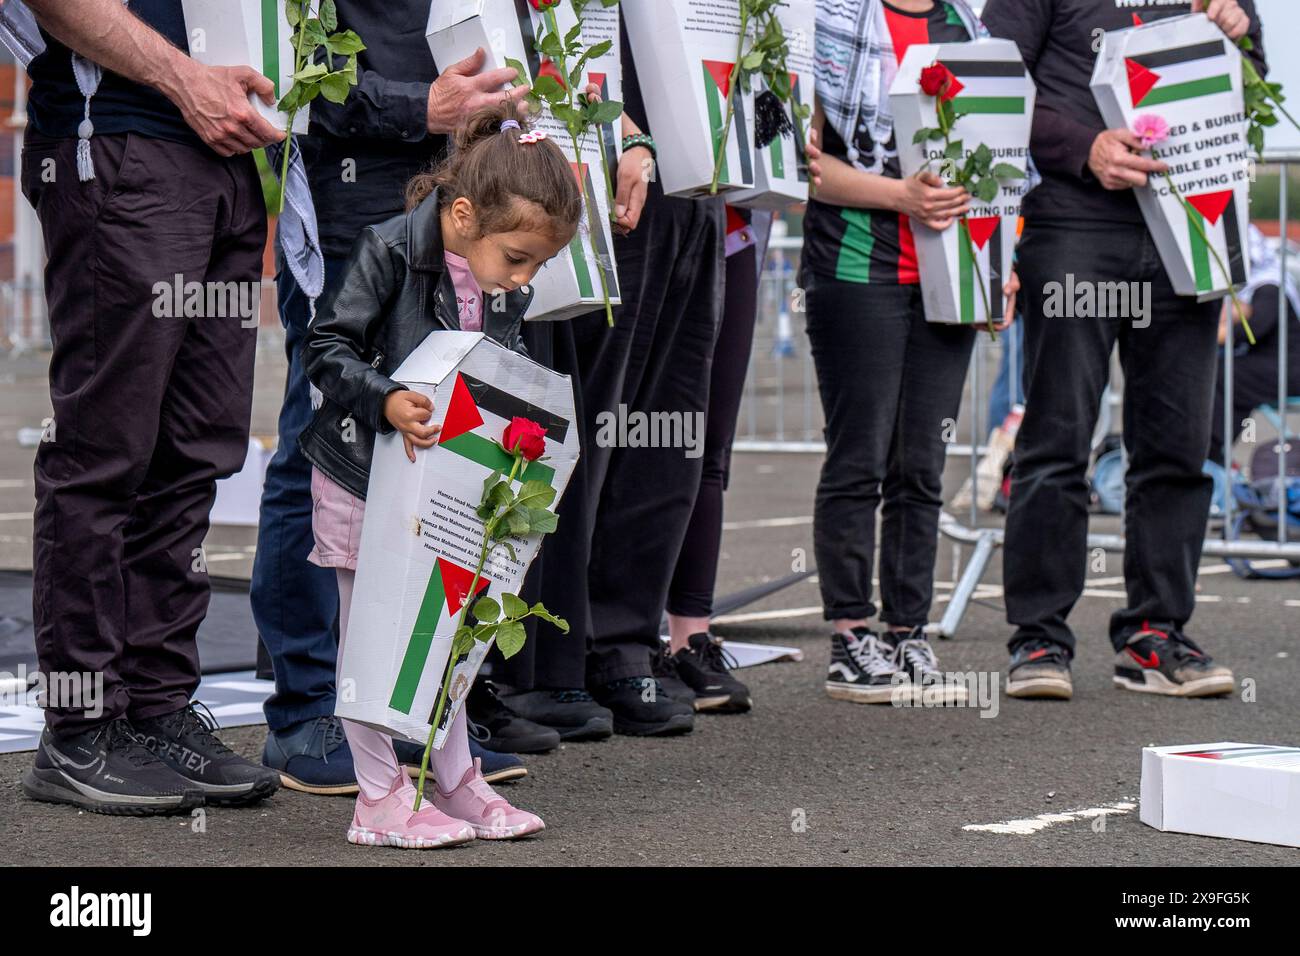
(1168, 385)
(622, 519)
(891, 386)
(150, 408)
(696, 573)
(1254, 369)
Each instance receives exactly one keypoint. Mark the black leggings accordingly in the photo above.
(691, 593)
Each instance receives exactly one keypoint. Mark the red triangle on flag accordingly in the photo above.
(455, 584)
(597, 78)
(1140, 80)
(1137, 20)
(579, 169)
(721, 73)
(462, 414)
(982, 228)
(1211, 205)
(954, 87)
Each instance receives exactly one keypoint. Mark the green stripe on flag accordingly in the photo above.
(854, 261)
(1008, 105)
(1188, 91)
(1200, 251)
(579, 254)
(712, 93)
(481, 451)
(417, 649)
(271, 42)
(966, 274)
(777, 152)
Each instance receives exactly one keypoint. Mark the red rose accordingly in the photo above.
(935, 79)
(523, 435)
(540, 5)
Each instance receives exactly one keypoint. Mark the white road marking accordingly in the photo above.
(14, 482)
(767, 523)
(768, 615)
(15, 516)
(1031, 825)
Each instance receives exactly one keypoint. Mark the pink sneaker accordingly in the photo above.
(390, 822)
(489, 813)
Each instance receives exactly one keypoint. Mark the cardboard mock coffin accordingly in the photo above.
(685, 51)
(568, 285)
(997, 96)
(421, 537)
(1234, 790)
(780, 167)
(252, 33)
(1185, 71)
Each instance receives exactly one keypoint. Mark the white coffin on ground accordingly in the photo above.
(998, 96)
(1185, 71)
(247, 33)
(685, 51)
(780, 169)
(421, 537)
(568, 285)
(1234, 790)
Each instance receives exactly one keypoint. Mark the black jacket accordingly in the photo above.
(394, 291)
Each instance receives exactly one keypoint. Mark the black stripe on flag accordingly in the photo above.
(507, 406)
(742, 138)
(984, 67)
(1182, 54)
(996, 304)
(602, 248)
(1231, 228)
(526, 29)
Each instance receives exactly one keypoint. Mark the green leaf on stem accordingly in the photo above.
(536, 494)
(329, 16)
(517, 519)
(510, 638)
(345, 43)
(539, 610)
(1007, 171)
(486, 610)
(514, 607)
(335, 87)
(521, 74)
(542, 521)
(605, 112)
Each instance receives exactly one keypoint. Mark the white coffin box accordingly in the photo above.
(685, 51)
(998, 96)
(780, 168)
(1185, 71)
(1233, 790)
(421, 537)
(568, 285)
(247, 33)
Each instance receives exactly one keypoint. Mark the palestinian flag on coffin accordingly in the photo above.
(738, 164)
(477, 413)
(993, 96)
(1184, 71)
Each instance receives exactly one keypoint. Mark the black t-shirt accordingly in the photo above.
(874, 245)
(1058, 41)
(56, 107)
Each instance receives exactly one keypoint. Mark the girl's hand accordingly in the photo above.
(814, 154)
(408, 412)
(927, 200)
(1009, 291)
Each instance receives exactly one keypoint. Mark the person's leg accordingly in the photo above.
(690, 594)
(675, 294)
(294, 602)
(1068, 365)
(858, 334)
(933, 374)
(1004, 393)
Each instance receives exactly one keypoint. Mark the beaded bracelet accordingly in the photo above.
(640, 139)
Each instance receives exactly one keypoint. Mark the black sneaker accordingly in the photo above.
(185, 741)
(705, 667)
(104, 770)
(914, 655)
(572, 713)
(1040, 669)
(862, 668)
(664, 669)
(642, 708)
(508, 733)
(1166, 662)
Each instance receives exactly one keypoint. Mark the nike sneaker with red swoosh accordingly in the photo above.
(1165, 661)
(1040, 669)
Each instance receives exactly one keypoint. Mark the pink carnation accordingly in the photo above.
(1151, 129)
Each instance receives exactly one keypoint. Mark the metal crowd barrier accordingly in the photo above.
(781, 412)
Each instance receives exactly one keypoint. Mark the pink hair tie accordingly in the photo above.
(534, 136)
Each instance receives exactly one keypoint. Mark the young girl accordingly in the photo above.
(477, 228)
(889, 379)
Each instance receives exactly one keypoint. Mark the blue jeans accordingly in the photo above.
(295, 603)
(1001, 399)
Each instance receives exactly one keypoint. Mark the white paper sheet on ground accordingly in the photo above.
(751, 655)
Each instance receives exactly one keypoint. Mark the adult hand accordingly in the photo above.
(1226, 14)
(1116, 160)
(635, 170)
(927, 200)
(460, 90)
(814, 154)
(214, 102)
(409, 412)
